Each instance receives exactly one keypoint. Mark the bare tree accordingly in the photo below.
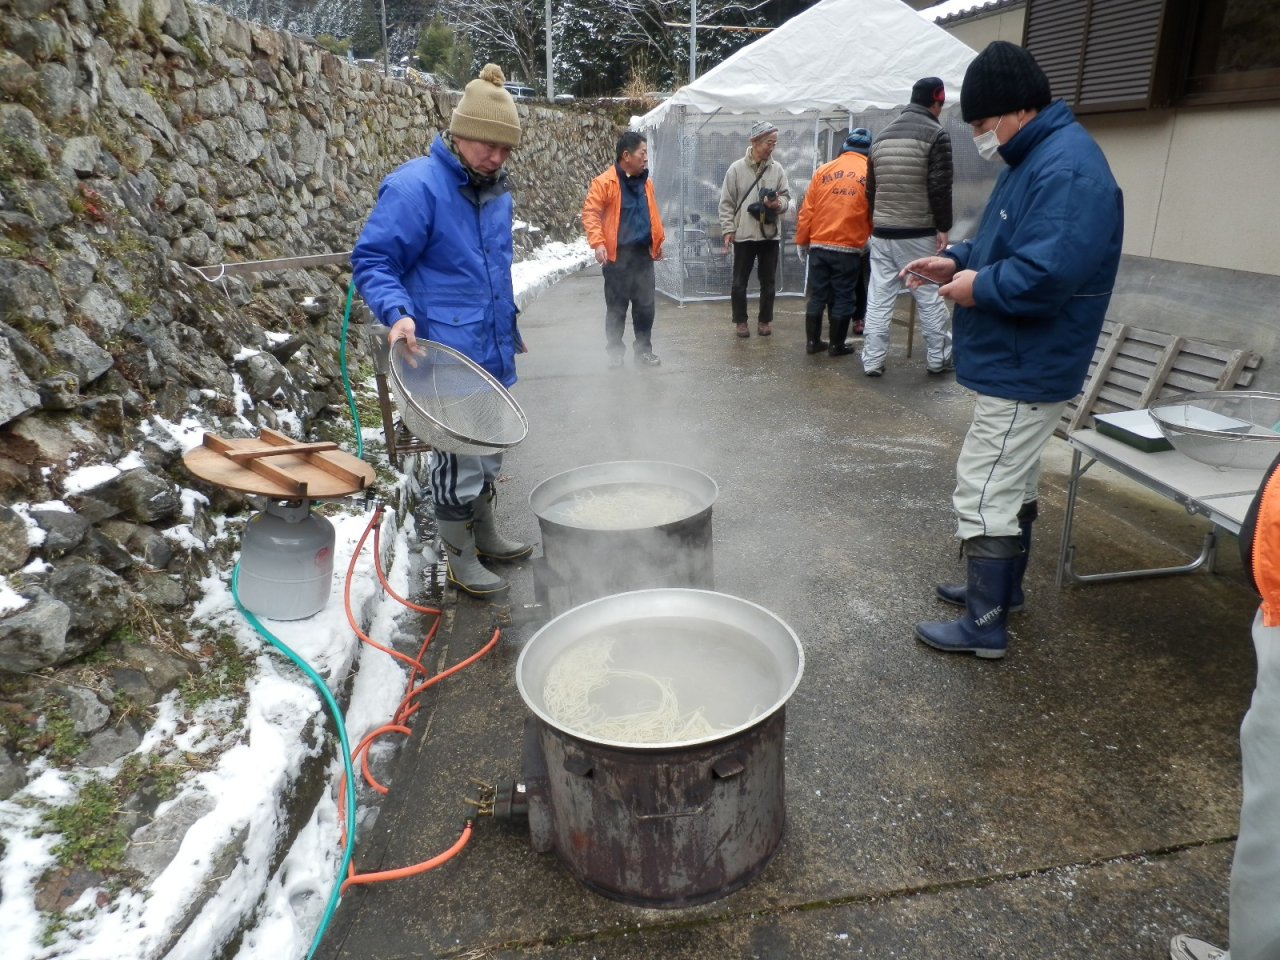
(510, 27)
(645, 21)
(513, 30)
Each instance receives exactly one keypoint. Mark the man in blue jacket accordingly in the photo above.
(1031, 291)
(434, 261)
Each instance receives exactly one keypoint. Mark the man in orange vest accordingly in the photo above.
(623, 227)
(832, 230)
(1253, 919)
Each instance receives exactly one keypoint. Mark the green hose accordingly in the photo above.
(342, 360)
(345, 745)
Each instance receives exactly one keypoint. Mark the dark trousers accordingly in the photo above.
(835, 281)
(628, 280)
(745, 254)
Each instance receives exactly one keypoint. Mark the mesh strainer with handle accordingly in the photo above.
(451, 402)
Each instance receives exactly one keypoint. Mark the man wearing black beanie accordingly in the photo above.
(1031, 290)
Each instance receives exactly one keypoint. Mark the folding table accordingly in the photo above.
(1221, 495)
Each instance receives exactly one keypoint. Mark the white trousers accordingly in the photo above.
(999, 465)
(888, 257)
(1255, 872)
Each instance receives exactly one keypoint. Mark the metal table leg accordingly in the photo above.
(1066, 555)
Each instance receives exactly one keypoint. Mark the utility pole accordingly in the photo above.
(551, 68)
(693, 40)
(386, 54)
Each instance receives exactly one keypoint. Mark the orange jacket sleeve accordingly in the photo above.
(593, 212)
(803, 217)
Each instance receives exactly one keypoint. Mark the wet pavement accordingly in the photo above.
(1079, 797)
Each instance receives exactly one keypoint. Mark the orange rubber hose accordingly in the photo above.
(400, 872)
(407, 707)
(375, 523)
(377, 565)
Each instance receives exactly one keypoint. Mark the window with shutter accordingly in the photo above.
(1109, 55)
(1100, 55)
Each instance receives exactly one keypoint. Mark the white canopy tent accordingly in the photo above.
(838, 65)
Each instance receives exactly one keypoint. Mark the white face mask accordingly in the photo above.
(987, 144)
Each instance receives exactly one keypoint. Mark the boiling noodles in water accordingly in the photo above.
(586, 668)
(624, 506)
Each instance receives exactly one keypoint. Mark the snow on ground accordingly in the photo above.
(258, 757)
(550, 262)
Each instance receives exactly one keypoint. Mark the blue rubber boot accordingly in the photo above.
(981, 628)
(953, 593)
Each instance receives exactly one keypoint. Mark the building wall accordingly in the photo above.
(1200, 208)
(978, 32)
(1197, 181)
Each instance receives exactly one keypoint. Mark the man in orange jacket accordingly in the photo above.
(832, 231)
(1253, 920)
(624, 228)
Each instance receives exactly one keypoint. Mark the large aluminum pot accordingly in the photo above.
(664, 824)
(581, 564)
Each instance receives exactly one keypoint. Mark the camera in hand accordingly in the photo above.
(760, 211)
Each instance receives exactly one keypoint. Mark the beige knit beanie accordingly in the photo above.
(486, 111)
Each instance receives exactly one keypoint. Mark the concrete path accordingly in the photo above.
(1078, 798)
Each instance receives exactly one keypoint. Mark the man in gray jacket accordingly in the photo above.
(909, 192)
(753, 197)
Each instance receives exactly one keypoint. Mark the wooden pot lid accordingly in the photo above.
(278, 466)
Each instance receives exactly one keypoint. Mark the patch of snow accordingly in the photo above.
(189, 500)
(57, 505)
(181, 436)
(9, 599)
(289, 422)
(244, 354)
(87, 478)
(550, 262)
(35, 533)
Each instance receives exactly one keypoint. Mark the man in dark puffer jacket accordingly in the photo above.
(909, 192)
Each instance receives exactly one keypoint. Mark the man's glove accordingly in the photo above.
(802, 251)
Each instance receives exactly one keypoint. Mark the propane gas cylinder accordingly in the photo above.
(286, 562)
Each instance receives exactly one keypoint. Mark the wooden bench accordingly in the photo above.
(1131, 367)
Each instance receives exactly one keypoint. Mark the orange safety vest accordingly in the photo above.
(602, 212)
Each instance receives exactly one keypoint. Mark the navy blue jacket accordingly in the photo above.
(440, 251)
(1046, 252)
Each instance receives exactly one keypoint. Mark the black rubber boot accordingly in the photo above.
(491, 544)
(980, 629)
(953, 593)
(839, 331)
(813, 333)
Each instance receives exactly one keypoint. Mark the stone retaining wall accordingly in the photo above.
(139, 139)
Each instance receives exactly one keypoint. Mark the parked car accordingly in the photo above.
(519, 91)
